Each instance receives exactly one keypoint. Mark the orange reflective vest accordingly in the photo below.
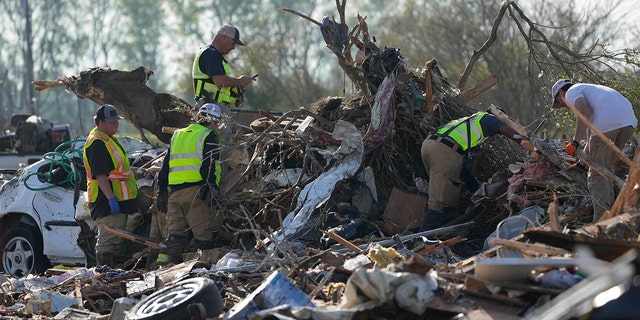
(123, 183)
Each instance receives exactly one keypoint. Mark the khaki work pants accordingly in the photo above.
(600, 188)
(109, 243)
(187, 214)
(444, 166)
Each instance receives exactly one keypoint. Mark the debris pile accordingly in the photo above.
(322, 204)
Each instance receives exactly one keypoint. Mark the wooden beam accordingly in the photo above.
(543, 146)
(479, 89)
(627, 189)
(531, 247)
(342, 241)
(586, 159)
(441, 245)
(554, 222)
(427, 84)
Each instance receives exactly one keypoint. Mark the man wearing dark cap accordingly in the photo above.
(111, 185)
(212, 82)
(191, 170)
(613, 115)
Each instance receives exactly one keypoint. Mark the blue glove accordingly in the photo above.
(115, 207)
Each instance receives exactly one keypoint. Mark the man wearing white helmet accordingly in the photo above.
(613, 115)
(191, 171)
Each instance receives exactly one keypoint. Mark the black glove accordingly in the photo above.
(205, 190)
(202, 193)
(161, 201)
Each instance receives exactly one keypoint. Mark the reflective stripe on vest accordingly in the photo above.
(123, 182)
(203, 86)
(465, 127)
(186, 155)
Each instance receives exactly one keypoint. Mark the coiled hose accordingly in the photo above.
(64, 161)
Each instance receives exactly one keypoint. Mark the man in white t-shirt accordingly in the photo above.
(613, 115)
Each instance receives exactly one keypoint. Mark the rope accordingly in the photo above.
(62, 158)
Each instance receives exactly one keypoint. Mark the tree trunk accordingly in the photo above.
(128, 92)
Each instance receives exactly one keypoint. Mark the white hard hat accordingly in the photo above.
(210, 109)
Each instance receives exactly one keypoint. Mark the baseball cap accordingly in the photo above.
(231, 32)
(211, 109)
(107, 113)
(557, 86)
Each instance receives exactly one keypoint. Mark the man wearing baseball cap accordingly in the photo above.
(188, 185)
(111, 184)
(613, 115)
(212, 82)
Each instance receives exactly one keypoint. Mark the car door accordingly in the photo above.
(59, 228)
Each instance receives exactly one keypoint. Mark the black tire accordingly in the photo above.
(173, 302)
(21, 252)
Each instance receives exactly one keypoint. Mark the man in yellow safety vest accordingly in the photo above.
(191, 170)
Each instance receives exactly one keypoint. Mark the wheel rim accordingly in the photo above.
(169, 298)
(18, 256)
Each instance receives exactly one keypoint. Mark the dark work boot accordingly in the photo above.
(448, 214)
(105, 259)
(206, 245)
(432, 220)
(172, 252)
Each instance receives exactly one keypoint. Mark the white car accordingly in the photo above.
(44, 218)
(37, 220)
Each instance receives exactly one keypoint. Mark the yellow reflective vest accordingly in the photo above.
(123, 182)
(203, 86)
(467, 131)
(186, 154)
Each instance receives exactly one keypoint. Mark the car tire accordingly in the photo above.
(179, 300)
(21, 252)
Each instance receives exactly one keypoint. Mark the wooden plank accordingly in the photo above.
(404, 211)
(586, 159)
(483, 86)
(541, 145)
(627, 189)
(468, 264)
(441, 245)
(134, 237)
(427, 84)
(531, 247)
(342, 241)
(554, 222)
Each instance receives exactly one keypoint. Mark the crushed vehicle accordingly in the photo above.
(44, 218)
(33, 136)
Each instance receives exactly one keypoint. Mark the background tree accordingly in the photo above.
(294, 64)
(451, 30)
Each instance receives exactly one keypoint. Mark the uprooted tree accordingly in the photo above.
(129, 93)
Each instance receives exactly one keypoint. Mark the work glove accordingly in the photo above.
(571, 147)
(202, 193)
(205, 190)
(161, 201)
(115, 207)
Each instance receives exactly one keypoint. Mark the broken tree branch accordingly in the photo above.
(478, 53)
